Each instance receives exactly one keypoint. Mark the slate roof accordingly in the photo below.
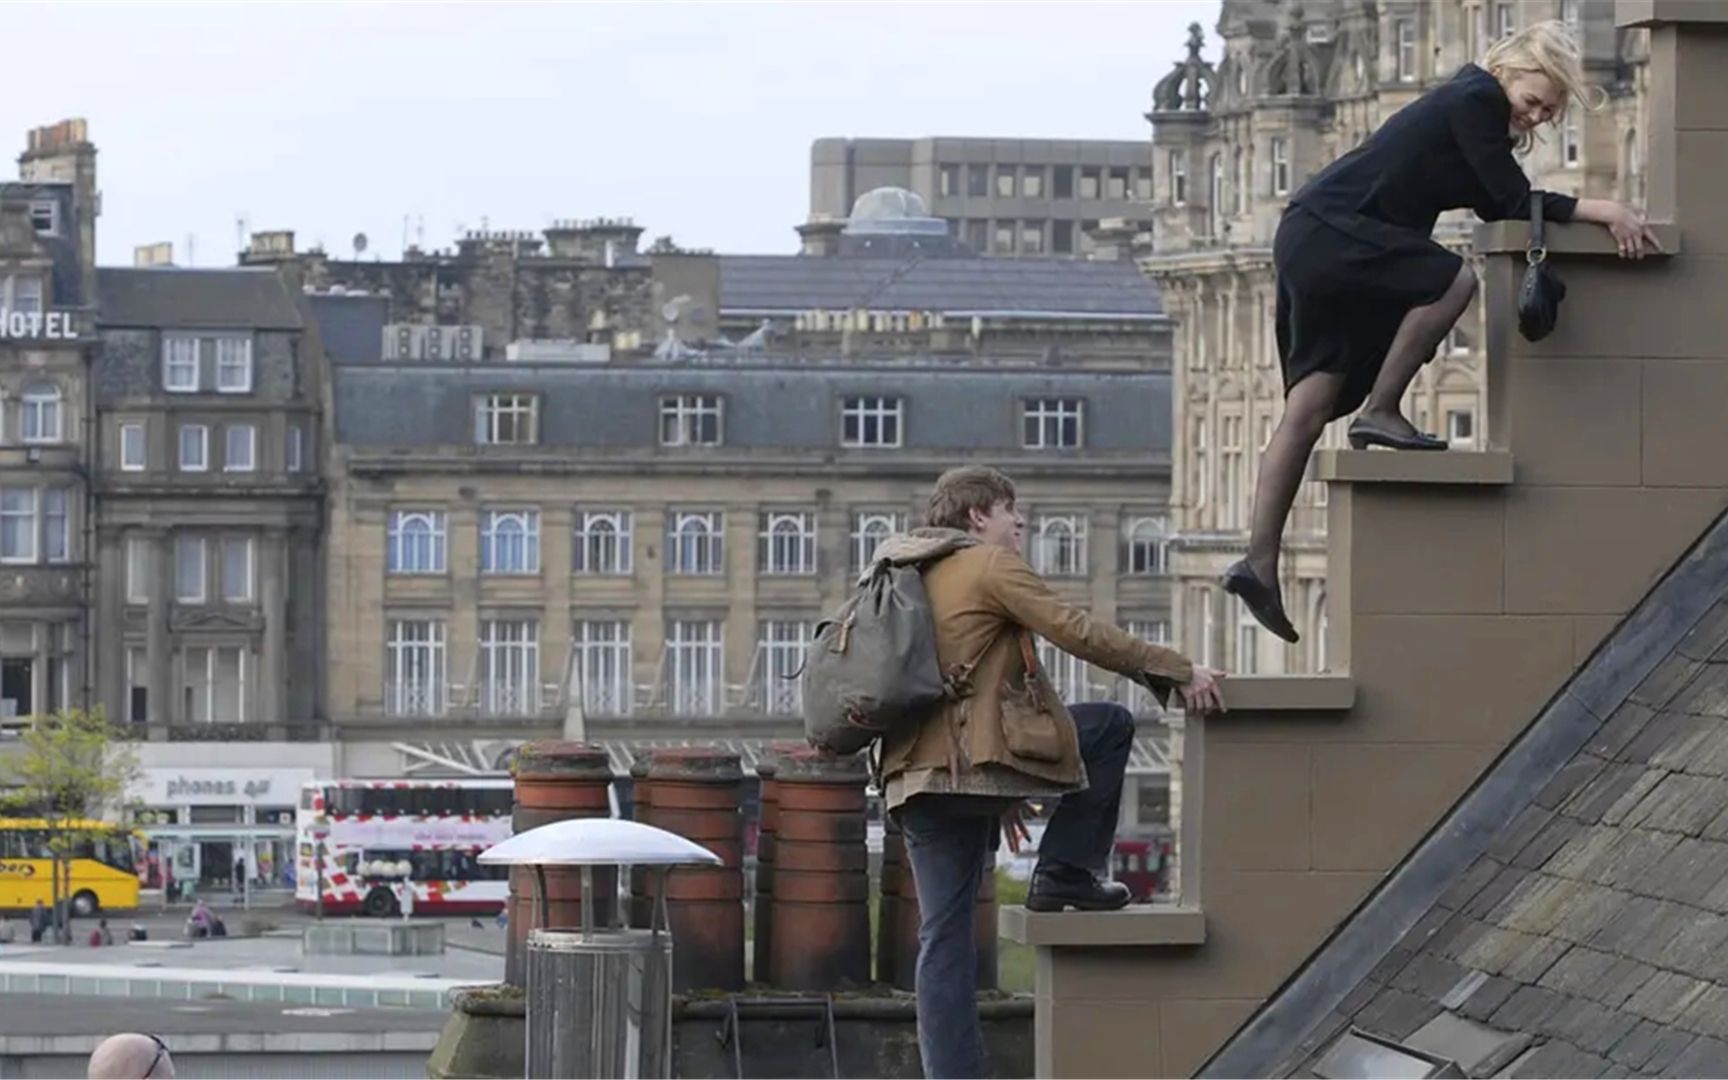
(1570, 917)
(254, 298)
(351, 327)
(792, 283)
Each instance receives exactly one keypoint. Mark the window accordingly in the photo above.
(237, 569)
(1200, 444)
(1006, 182)
(45, 217)
(1178, 166)
(1280, 167)
(1215, 194)
(1233, 463)
(869, 530)
(603, 542)
(40, 407)
(1089, 180)
(694, 543)
(180, 365)
(1477, 31)
(194, 448)
(978, 181)
(56, 531)
(1003, 242)
(510, 542)
(1238, 186)
(1143, 185)
(509, 667)
(1505, 19)
(1032, 182)
(1458, 340)
(788, 543)
(138, 556)
(690, 420)
(978, 235)
(1571, 16)
(949, 181)
(241, 448)
(1032, 237)
(601, 666)
(1405, 31)
(1051, 423)
(1157, 631)
(189, 569)
(1062, 181)
(18, 525)
(1116, 184)
(1062, 237)
(781, 646)
(1571, 140)
(215, 683)
(415, 542)
(1066, 672)
(1148, 546)
(1059, 545)
(23, 294)
(507, 420)
(870, 421)
(414, 668)
(294, 455)
(233, 365)
(1460, 427)
(132, 450)
(693, 649)
(1247, 645)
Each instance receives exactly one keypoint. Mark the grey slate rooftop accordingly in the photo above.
(775, 284)
(239, 298)
(1586, 933)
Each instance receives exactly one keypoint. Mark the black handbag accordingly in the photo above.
(1540, 295)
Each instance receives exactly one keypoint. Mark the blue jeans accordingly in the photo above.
(950, 840)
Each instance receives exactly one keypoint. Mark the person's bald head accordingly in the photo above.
(129, 1057)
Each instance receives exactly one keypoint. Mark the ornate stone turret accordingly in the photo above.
(1189, 87)
(1294, 68)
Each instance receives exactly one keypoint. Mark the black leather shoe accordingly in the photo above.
(1262, 599)
(1365, 433)
(1053, 891)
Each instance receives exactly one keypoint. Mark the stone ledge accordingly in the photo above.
(1491, 467)
(1570, 238)
(1138, 924)
(1285, 693)
(1631, 13)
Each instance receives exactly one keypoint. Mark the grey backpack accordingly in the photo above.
(872, 666)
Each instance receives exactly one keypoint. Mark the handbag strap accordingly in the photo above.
(1537, 250)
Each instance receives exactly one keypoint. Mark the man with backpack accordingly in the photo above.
(1001, 736)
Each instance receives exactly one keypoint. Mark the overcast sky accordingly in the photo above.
(694, 119)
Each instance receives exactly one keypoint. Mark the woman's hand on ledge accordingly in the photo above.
(1632, 235)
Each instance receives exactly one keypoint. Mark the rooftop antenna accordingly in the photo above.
(359, 245)
(404, 234)
(239, 232)
(191, 250)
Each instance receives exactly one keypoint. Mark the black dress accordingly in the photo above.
(1354, 251)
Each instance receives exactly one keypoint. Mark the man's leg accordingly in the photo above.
(947, 842)
(1075, 851)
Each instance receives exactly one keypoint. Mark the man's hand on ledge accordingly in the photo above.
(1202, 693)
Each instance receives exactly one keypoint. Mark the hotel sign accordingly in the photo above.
(52, 325)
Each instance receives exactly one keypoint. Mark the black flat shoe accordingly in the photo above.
(1366, 433)
(1080, 891)
(1262, 599)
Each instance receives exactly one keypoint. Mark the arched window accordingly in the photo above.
(417, 542)
(696, 544)
(510, 542)
(39, 421)
(1148, 546)
(1059, 546)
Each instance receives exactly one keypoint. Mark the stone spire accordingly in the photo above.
(1189, 87)
(1294, 69)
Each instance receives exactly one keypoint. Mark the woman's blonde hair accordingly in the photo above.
(1547, 48)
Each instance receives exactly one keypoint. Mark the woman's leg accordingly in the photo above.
(1307, 410)
(1418, 336)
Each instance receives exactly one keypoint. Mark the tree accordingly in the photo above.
(74, 770)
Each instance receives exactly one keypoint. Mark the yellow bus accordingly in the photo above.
(102, 874)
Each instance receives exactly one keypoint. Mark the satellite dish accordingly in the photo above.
(359, 242)
(669, 311)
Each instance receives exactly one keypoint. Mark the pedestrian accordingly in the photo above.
(969, 765)
(239, 875)
(38, 923)
(1365, 295)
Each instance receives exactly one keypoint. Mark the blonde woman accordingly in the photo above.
(1365, 295)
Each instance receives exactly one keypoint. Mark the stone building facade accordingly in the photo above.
(1295, 87)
